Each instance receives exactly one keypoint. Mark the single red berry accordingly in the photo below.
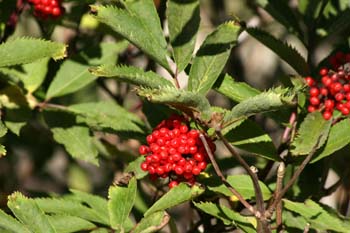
(173, 183)
(324, 91)
(311, 108)
(345, 111)
(310, 81)
(196, 171)
(326, 80)
(327, 115)
(339, 97)
(329, 104)
(179, 170)
(346, 87)
(314, 101)
(314, 91)
(323, 71)
(335, 77)
(183, 128)
(143, 149)
(337, 87)
(347, 96)
(144, 166)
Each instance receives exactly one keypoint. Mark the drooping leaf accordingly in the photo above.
(152, 223)
(71, 77)
(29, 213)
(121, 201)
(311, 129)
(183, 19)
(282, 13)
(75, 208)
(77, 141)
(212, 56)
(175, 196)
(26, 50)
(138, 23)
(97, 203)
(228, 216)
(16, 119)
(287, 53)
(131, 74)
(236, 91)
(35, 74)
(338, 138)
(249, 136)
(10, 224)
(107, 115)
(187, 101)
(135, 167)
(271, 100)
(70, 224)
(316, 216)
(242, 183)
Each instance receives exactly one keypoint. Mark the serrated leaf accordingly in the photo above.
(282, 13)
(250, 137)
(107, 115)
(212, 56)
(10, 224)
(190, 102)
(77, 141)
(152, 223)
(175, 196)
(121, 201)
(71, 77)
(282, 49)
(183, 22)
(242, 183)
(26, 50)
(316, 215)
(338, 138)
(228, 216)
(29, 213)
(135, 167)
(131, 74)
(138, 23)
(311, 129)
(271, 100)
(97, 203)
(70, 224)
(236, 91)
(69, 207)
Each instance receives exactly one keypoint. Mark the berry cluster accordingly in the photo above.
(334, 89)
(174, 151)
(47, 8)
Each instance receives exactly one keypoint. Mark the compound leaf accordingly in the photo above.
(70, 224)
(10, 224)
(152, 223)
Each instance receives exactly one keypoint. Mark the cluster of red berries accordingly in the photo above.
(175, 151)
(333, 92)
(47, 8)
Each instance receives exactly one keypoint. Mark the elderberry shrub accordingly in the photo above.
(175, 152)
(333, 92)
(47, 8)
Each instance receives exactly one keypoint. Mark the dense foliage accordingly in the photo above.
(132, 116)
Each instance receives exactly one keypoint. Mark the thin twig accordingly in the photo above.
(307, 228)
(224, 181)
(177, 84)
(253, 175)
(279, 185)
(288, 129)
(292, 180)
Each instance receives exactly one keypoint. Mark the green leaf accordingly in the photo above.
(16, 119)
(97, 203)
(152, 223)
(26, 50)
(183, 20)
(29, 213)
(175, 196)
(282, 49)
(311, 129)
(187, 101)
(236, 91)
(212, 56)
(250, 137)
(77, 141)
(70, 207)
(228, 216)
(282, 13)
(314, 214)
(338, 138)
(35, 74)
(121, 201)
(340, 23)
(71, 77)
(3, 150)
(10, 224)
(70, 224)
(138, 23)
(131, 74)
(271, 100)
(107, 115)
(135, 167)
(107, 53)
(242, 183)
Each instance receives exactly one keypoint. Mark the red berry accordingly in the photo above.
(339, 97)
(311, 108)
(346, 87)
(179, 170)
(196, 171)
(327, 115)
(326, 81)
(183, 128)
(329, 104)
(324, 91)
(345, 111)
(144, 166)
(143, 149)
(336, 87)
(323, 71)
(310, 81)
(314, 91)
(173, 183)
(314, 101)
